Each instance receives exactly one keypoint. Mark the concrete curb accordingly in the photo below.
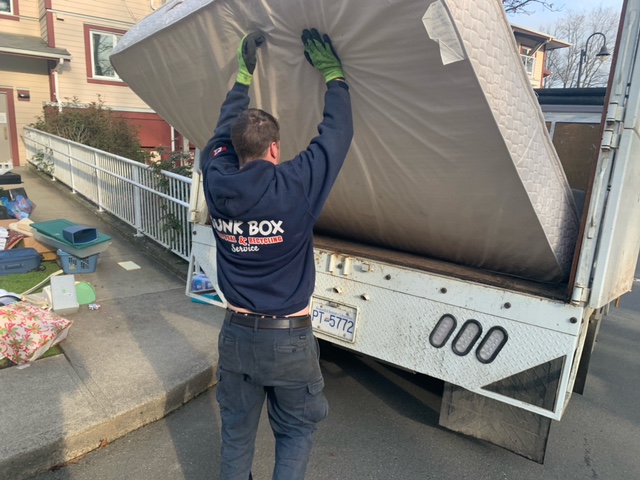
(75, 444)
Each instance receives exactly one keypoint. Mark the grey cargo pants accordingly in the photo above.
(281, 366)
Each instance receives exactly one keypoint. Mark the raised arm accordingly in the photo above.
(318, 166)
(237, 99)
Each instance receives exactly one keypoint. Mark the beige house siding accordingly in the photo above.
(74, 78)
(27, 20)
(22, 73)
(128, 12)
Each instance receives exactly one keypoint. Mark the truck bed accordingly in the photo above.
(433, 265)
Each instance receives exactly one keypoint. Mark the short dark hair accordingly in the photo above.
(252, 133)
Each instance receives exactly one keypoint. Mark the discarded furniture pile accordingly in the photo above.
(31, 321)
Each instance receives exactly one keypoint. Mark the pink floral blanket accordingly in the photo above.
(27, 331)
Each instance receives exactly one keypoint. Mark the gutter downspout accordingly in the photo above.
(540, 45)
(56, 83)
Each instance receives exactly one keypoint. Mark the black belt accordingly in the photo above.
(266, 322)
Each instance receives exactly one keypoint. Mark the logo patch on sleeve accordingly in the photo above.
(218, 150)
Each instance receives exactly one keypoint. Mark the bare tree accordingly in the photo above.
(576, 28)
(522, 6)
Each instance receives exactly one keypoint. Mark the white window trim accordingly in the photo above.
(115, 36)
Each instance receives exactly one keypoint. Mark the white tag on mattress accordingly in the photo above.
(440, 28)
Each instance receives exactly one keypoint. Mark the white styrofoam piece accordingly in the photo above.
(63, 294)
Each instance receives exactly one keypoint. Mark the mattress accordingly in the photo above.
(451, 158)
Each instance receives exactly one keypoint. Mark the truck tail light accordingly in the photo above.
(491, 344)
(443, 330)
(467, 337)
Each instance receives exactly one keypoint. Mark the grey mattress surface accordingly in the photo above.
(451, 158)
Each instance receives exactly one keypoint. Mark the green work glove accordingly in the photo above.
(320, 54)
(247, 57)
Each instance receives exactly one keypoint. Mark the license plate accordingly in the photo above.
(334, 319)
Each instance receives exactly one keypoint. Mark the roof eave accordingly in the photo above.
(34, 54)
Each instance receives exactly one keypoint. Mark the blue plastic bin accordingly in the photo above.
(71, 264)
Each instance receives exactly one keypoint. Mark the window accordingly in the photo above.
(529, 60)
(102, 44)
(99, 43)
(529, 64)
(7, 7)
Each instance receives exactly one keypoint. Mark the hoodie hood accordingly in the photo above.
(234, 191)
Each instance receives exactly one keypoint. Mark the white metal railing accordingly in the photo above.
(156, 205)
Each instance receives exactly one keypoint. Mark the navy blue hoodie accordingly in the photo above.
(263, 214)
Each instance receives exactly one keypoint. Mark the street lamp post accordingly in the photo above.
(602, 54)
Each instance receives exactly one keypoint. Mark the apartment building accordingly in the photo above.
(533, 47)
(53, 51)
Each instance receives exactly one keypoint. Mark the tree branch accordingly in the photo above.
(520, 6)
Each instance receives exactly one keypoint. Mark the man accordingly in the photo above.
(263, 214)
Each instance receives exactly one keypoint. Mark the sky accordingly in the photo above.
(542, 17)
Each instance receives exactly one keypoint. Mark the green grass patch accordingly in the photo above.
(21, 282)
(55, 350)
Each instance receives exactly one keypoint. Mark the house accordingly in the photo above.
(52, 51)
(533, 47)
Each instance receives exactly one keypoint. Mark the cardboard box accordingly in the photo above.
(47, 251)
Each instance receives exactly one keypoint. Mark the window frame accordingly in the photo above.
(89, 31)
(14, 14)
(528, 60)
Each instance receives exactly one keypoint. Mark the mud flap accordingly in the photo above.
(507, 426)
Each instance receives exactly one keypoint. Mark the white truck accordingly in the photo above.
(510, 350)
(453, 322)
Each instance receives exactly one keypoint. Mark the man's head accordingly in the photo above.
(256, 136)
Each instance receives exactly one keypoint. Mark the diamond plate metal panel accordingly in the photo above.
(399, 307)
